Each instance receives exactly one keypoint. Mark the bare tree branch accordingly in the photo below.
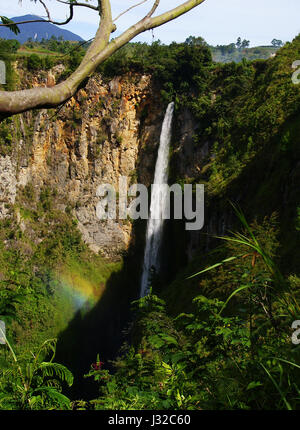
(154, 7)
(46, 9)
(96, 8)
(13, 102)
(185, 7)
(26, 22)
(80, 4)
(49, 17)
(127, 10)
(103, 33)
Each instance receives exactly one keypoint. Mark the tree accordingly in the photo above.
(277, 43)
(238, 43)
(245, 44)
(195, 41)
(9, 46)
(102, 47)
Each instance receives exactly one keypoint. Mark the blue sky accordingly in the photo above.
(218, 21)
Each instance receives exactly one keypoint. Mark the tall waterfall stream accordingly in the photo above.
(158, 205)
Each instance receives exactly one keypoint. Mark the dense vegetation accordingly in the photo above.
(139, 56)
(37, 296)
(219, 336)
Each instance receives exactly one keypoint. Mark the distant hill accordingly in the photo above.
(37, 30)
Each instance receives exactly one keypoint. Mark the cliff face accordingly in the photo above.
(109, 129)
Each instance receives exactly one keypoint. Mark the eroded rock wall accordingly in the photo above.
(109, 129)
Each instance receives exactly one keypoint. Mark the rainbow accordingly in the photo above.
(81, 291)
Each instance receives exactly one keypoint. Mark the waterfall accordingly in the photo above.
(158, 204)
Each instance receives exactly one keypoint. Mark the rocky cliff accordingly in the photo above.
(109, 129)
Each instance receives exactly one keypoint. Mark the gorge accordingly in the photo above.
(235, 128)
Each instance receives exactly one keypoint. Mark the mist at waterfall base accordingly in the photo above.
(154, 232)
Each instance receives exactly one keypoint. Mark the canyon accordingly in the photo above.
(81, 275)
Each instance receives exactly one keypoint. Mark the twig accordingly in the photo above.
(46, 9)
(46, 20)
(80, 4)
(153, 9)
(127, 10)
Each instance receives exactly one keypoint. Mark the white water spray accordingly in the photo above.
(158, 204)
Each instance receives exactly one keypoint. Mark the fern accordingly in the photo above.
(56, 370)
(50, 393)
(33, 383)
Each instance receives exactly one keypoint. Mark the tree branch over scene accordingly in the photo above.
(13, 102)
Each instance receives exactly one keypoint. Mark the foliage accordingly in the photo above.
(6, 136)
(9, 46)
(10, 24)
(244, 110)
(34, 62)
(223, 339)
(231, 353)
(176, 67)
(41, 267)
(33, 383)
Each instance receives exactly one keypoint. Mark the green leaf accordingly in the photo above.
(53, 395)
(56, 370)
(288, 362)
(288, 406)
(167, 367)
(253, 384)
(10, 24)
(243, 287)
(169, 339)
(227, 260)
(156, 341)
